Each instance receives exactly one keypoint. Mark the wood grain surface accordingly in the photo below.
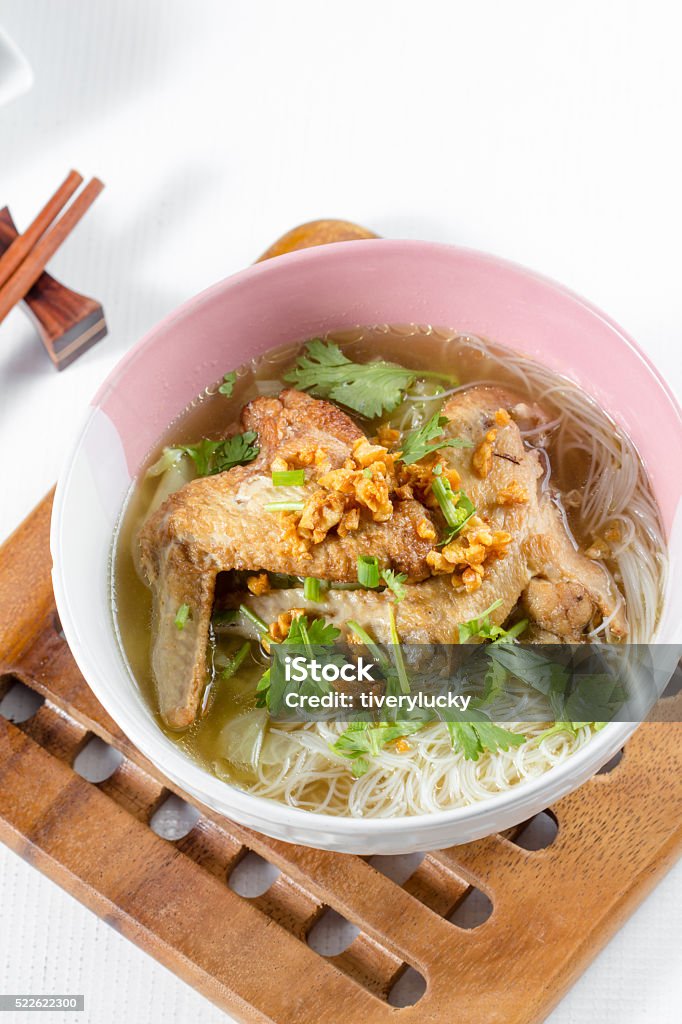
(553, 909)
(68, 323)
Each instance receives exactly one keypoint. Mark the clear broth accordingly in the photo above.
(213, 415)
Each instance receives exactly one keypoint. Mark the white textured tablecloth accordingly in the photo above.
(546, 133)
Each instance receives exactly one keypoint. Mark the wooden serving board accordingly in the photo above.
(553, 909)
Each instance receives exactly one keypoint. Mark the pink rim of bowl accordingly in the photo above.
(291, 298)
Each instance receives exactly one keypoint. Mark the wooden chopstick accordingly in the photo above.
(28, 272)
(22, 245)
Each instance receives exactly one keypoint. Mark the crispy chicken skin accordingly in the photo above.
(218, 523)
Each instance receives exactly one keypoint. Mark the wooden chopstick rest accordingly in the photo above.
(68, 323)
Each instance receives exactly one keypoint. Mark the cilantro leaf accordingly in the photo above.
(585, 695)
(537, 670)
(211, 457)
(474, 738)
(595, 694)
(482, 628)
(201, 454)
(362, 740)
(416, 443)
(304, 633)
(237, 450)
(493, 684)
(370, 389)
(319, 632)
(359, 767)
(229, 381)
(493, 737)
(395, 581)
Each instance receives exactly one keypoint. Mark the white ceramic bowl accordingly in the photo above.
(295, 297)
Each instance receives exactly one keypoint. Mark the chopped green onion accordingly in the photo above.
(301, 622)
(445, 496)
(368, 571)
(511, 634)
(169, 457)
(370, 644)
(227, 617)
(312, 588)
(284, 581)
(260, 625)
(455, 506)
(262, 688)
(181, 616)
(284, 506)
(235, 662)
(397, 653)
(288, 477)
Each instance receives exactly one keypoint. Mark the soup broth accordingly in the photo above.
(597, 481)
